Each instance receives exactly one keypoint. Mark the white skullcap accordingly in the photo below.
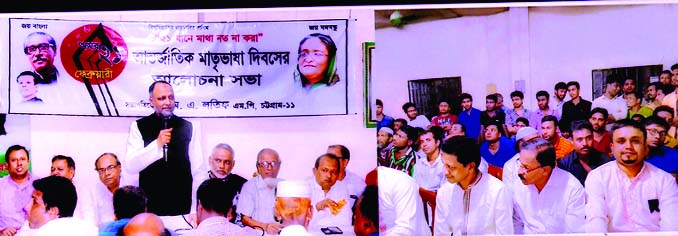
(294, 230)
(524, 132)
(386, 129)
(292, 188)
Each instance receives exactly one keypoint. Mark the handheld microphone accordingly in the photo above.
(165, 147)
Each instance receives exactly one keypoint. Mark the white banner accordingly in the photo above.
(231, 69)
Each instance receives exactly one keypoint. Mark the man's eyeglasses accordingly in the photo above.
(312, 54)
(656, 132)
(42, 47)
(109, 169)
(522, 167)
(269, 164)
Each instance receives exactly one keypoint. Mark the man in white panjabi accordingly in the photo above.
(629, 194)
(293, 207)
(257, 197)
(471, 203)
(329, 197)
(548, 200)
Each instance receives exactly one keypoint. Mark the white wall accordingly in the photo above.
(542, 45)
(299, 140)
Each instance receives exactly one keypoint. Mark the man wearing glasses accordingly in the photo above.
(100, 208)
(661, 156)
(548, 200)
(257, 198)
(40, 49)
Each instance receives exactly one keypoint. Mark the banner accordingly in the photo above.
(232, 69)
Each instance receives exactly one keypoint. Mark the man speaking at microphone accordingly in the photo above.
(165, 151)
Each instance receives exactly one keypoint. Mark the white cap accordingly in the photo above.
(386, 129)
(294, 230)
(524, 132)
(292, 188)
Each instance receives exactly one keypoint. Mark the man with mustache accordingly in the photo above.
(584, 158)
(165, 151)
(41, 49)
(257, 197)
(628, 195)
(16, 190)
(221, 163)
(329, 197)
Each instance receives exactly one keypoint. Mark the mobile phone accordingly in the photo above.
(331, 230)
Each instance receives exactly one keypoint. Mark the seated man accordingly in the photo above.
(145, 224)
(128, 201)
(354, 183)
(221, 162)
(101, 208)
(401, 211)
(16, 190)
(293, 207)
(549, 131)
(329, 197)
(496, 149)
(50, 211)
(660, 156)
(628, 195)
(472, 203)
(215, 200)
(402, 156)
(584, 158)
(257, 198)
(384, 145)
(63, 166)
(549, 200)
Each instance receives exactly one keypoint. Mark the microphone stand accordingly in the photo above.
(165, 146)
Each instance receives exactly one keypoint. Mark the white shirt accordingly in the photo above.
(510, 172)
(489, 208)
(67, 226)
(138, 157)
(220, 226)
(557, 209)
(325, 218)
(98, 203)
(356, 186)
(401, 211)
(616, 203)
(257, 199)
(615, 106)
(428, 175)
(419, 121)
(294, 230)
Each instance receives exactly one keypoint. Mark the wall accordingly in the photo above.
(299, 140)
(541, 45)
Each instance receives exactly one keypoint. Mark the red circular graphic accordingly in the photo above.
(94, 52)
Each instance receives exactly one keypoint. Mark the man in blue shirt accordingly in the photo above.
(469, 116)
(663, 157)
(496, 149)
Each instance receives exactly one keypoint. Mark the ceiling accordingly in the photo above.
(409, 16)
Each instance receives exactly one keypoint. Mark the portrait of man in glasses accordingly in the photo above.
(109, 170)
(41, 49)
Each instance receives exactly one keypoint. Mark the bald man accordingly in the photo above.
(145, 224)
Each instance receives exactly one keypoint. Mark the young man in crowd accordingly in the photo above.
(469, 116)
(414, 119)
(575, 109)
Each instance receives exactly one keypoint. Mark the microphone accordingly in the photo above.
(165, 147)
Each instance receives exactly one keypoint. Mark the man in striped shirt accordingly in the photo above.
(402, 157)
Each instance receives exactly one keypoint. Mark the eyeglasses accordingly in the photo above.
(109, 168)
(656, 132)
(42, 47)
(269, 164)
(522, 167)
(315, 54)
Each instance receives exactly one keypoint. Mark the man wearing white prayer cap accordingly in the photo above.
(293, 207)
(510, 169)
